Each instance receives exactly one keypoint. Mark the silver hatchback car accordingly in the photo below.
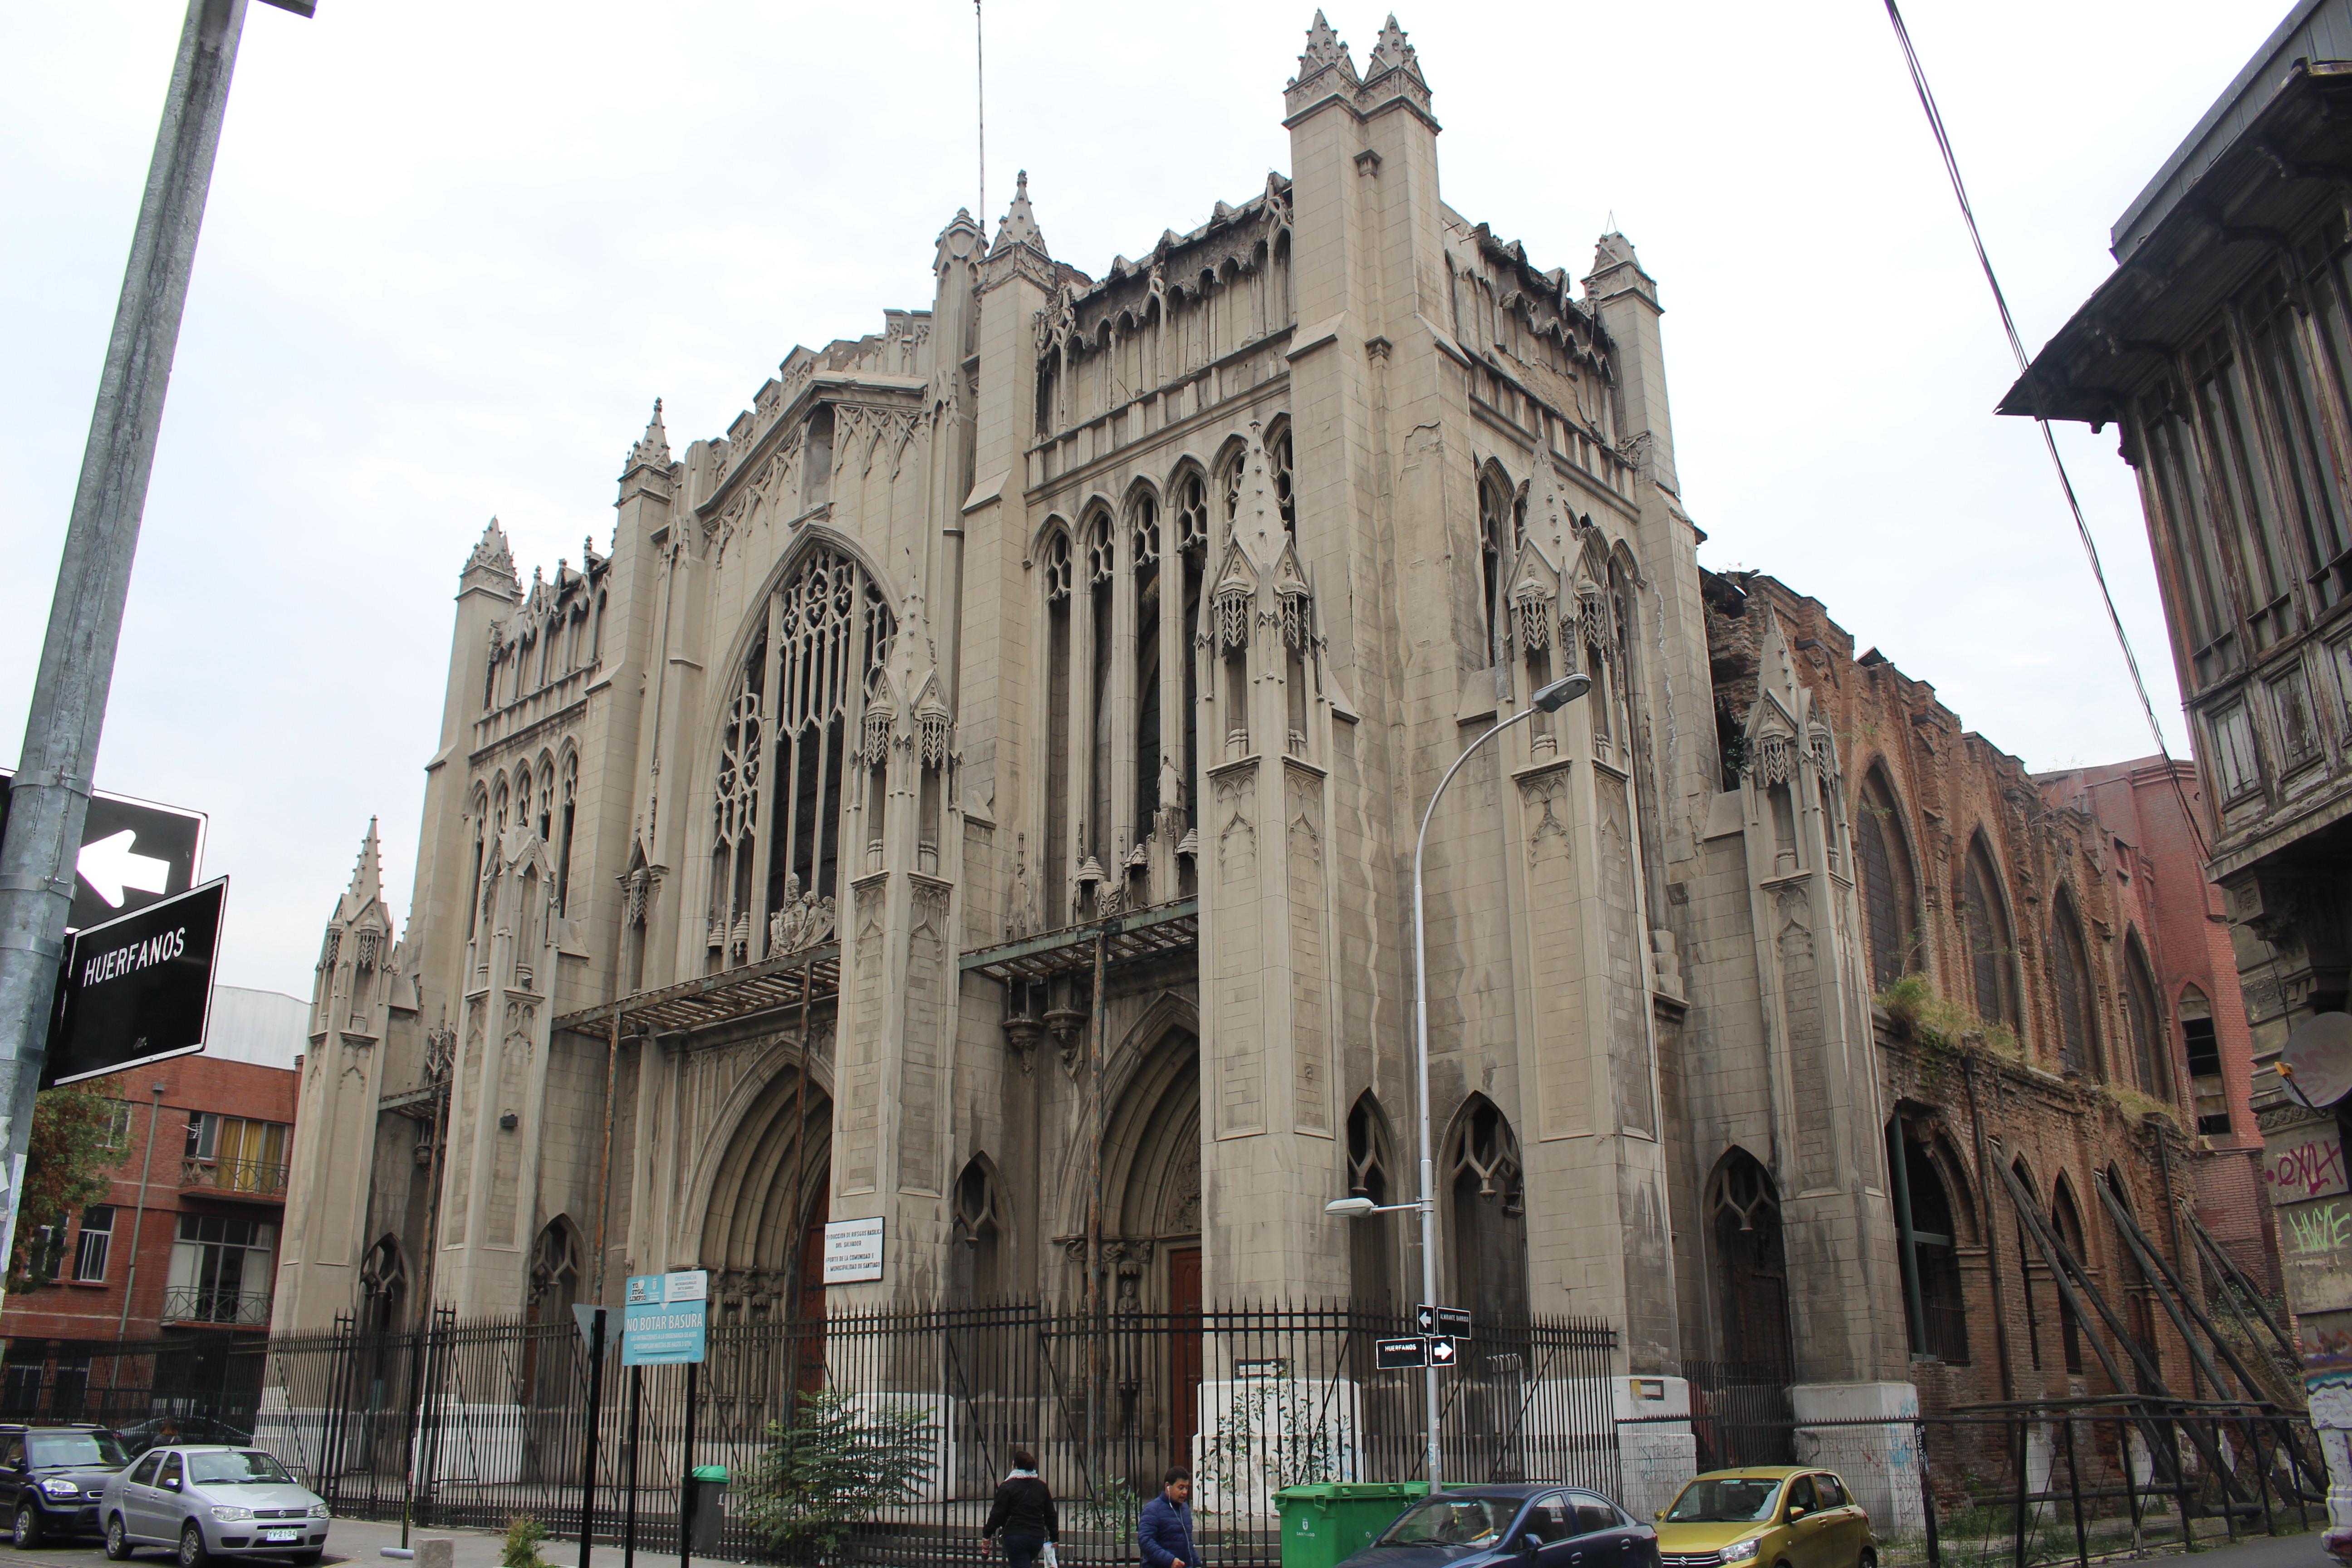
(212, 1501)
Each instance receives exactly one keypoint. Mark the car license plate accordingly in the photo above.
(281, 1535)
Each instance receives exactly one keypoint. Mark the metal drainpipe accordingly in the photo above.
(131, 1281)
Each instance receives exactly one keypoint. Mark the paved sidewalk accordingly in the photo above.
(361, 1541)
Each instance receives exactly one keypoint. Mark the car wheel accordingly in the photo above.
(1869, 1558)
(118, 1539)
(28, 1532)
(191, 1546)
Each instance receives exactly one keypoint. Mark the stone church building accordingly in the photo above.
(977, 790)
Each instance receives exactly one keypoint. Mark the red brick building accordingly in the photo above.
(180, 1254)
(2048, 935)
(2156, 815)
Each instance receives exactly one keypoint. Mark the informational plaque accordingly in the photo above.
(852, 1251)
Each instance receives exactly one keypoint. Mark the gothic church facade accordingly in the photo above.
(978, 791)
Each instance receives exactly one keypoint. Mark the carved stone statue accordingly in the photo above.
(784, 921)
(819, 923)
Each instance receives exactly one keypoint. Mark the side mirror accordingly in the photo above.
(1795, 1514)
(1659, 1517)
(1530, 1542)
(172, 1485)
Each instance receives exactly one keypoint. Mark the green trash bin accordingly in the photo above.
(1326, 1523)
(706, 1514)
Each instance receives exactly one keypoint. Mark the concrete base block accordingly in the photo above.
(1880, 1462)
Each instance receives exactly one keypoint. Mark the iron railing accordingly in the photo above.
(215, 1304)
(238, 1178)
(1251, 1400)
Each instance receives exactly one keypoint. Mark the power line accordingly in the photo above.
(2048, 439)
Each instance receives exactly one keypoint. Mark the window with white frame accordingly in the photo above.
(97, 1242)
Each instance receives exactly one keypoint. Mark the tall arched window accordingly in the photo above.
(1992, 951)
(1192, 530)
(784, 744)
(1938, 1316)
(564, 841)
(2144, 1016)
(1494, 555)
(2067, 1221)
(1890, 892)
(1751, 1267)
(1101, 564)
(977, 1230)
(1277, 462)
(2032, 1266)
(2070, 973)
(1053, 865)
(1371, 1241)
(2202, 1048)
(1488, 1211)
(1144, 551)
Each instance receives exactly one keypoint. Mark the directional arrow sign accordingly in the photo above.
(1443, 1351)
(111, 866)
(133, 853)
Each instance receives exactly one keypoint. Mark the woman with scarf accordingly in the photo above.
(1024, 1511)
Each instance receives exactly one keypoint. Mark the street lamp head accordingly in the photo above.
(1561, 692)
(1351, 1208)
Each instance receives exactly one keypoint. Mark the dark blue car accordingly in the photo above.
(1524, 1526)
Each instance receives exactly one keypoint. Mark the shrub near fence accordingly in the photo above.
(926, 1407)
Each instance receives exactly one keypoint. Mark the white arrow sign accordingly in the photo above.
(108, 867)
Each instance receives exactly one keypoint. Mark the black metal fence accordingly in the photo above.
(471, 1423)
(199, 1388)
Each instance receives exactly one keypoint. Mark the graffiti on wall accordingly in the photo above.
(2308, 1166)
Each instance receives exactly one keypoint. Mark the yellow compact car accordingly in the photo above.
(1767, 1516)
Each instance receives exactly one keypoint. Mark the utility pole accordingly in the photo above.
(52, 793)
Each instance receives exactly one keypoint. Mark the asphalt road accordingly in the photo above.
(361, 1541)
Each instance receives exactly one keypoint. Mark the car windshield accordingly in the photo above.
(1724, 1499)
(46, 1448)
(1464, 1522)
(252, 1464)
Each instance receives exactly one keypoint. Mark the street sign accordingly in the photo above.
(666, 1317)
(853, 1250)
(1411, 1351)
(1444, 1351)
(133, 853)
(1451, 1322)
(137, 989)
(583, 1313)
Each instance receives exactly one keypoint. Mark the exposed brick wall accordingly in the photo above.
(2129, 868)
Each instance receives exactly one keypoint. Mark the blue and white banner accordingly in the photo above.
(664, 1317)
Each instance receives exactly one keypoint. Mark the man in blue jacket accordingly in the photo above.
(1165, 1531)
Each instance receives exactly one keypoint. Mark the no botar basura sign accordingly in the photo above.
(137, 989)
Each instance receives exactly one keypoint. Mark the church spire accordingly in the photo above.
(492, 555)
(652, 450)
(1392, 53)
(1324, 48)
(367, 875)
(1020, 225)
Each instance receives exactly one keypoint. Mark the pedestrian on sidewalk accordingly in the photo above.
(1024, 1511)
(1165, 1530)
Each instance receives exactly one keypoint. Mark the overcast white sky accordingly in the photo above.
(455, 250)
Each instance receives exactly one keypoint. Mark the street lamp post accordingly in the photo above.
(69, 688)
(1547, 699)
